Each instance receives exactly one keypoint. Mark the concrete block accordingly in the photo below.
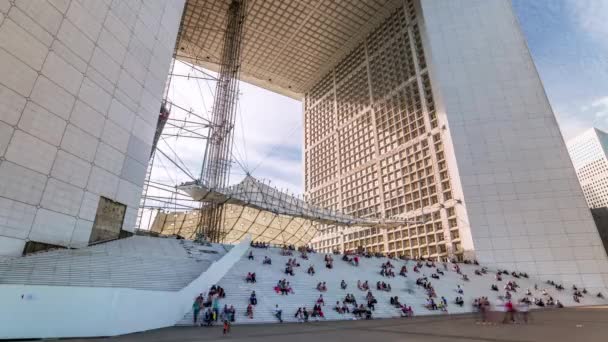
(31, 152)
(21, 184)
(43, 13)
(145, 34)
(61, 5)
(30, 25)
(5, 5)
(112, 46)
(11, 246)
(52, 97)
(144, 131)
(115, 136)
(130, 86)
(139, 150)
(62, 73)
(79, 143)
(154, 85)
(96, 77)
(6, 132)
(121, 115)
(103, 183)
(96, 8)
(163, 39)
(102, 62)
(22, 44)
(137, 49)
(87, 119)
(128, 193)
(133, 171)
(132, 65)
(16, 218)
(15, 74)
(52, 227)
(160, 66)
(87, 23)
(109, 158)
(124, 13)
(95, 96)
(11, 105)
(126, 100)
(118, 29)
(76, 40)
(66, 53)
(81, 234)
(71, 169)
(62, 197)
(42, 124)
(88, 207)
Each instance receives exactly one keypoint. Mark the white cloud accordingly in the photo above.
(592, 17)
(571, 125)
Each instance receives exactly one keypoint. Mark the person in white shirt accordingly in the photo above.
(278, 312)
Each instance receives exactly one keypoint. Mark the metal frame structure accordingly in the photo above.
(218, 155)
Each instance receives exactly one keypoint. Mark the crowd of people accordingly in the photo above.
(211, 303)
(510, 310)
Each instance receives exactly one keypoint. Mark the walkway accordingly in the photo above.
(572, 324)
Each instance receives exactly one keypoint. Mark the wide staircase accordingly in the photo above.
(137, 262)
(405, 288)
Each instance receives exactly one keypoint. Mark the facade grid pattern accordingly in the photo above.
(389, 145)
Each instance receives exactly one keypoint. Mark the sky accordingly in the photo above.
(568, 40)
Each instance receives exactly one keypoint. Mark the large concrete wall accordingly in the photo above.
(525, 207)
(81, 83)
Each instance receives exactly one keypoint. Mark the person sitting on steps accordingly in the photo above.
(317, 311)
(321, 286)
(320, 300)
(343, 285)
(250, 278)
(311, 270)
(253, 300)
(289, 270)
(250, 257)
(249, 312)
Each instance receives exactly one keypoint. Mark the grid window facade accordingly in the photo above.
(360, 193)
(323, 157)
(357, 140)
(320, 120)
(389, 146)
(399, 118)
(325, 197)
(352, 95)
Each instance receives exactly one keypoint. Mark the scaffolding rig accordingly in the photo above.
(218, 154)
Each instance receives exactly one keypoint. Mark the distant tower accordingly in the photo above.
(588, 154)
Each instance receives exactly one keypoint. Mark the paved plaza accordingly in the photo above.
(573, 324)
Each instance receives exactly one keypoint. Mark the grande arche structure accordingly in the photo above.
(81, 84)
